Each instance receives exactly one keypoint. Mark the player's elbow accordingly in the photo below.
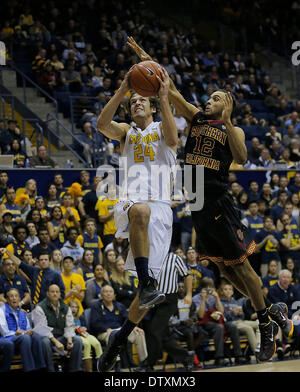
(101, 126)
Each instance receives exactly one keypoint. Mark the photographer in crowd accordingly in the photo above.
(210, 312)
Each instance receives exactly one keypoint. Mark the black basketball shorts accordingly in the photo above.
(221, 236)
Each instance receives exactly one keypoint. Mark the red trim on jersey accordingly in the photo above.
(214, 121)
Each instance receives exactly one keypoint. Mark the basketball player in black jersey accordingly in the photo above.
(221, 237)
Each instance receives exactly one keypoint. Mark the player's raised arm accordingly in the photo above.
(169, 127)
(236, 136)
(109, 128)
(183, 107)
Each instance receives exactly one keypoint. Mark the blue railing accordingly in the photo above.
(7, 98)
(50, 118)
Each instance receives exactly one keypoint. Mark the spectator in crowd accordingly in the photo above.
(84, 179)
(14, 130)
(52, 199)
(289, 136)
(11, 206)
(295, 186)
(105, 210)
(16, 247)
(109, 260)
(15, 327)
(282, 185)
(94, 285)
(195, 270)
(271, 277)
(48, 80)
(70, 213)
(6, 138)
(285, 159)
(56, 227)
(233, 312)
(253, 191)
(71, 79)
(89, 240)
(3, 183)
(30, 189)
(108, 315)
(42, 159)
(88, 341)
(123, 283)
(88, 203)
(272, 135)
(295, 150)
(285, 293)
(288, 210)
(119, 245)
(264, 160)
(41, 276)
(44, 245)
(35, 216)
(10, 279)
(85, 145)
(73, 282)
(54, 313)
(272, 100)
(186, 224)
(58, 182)
(267, 245)
(276, 149)
(6, 228)
(210, 312)
(72, 247)
(56, 260)
(290, 265)
(40, 63)
(294, 120)
(86, 267)
(32, 238)
(290, 241)
(184, 324)
(20, 156)
(252, 220)
(255, 150)
(278, 207)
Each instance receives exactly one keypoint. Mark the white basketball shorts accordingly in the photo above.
(159, 231)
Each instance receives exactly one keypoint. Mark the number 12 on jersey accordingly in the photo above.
(139, 154)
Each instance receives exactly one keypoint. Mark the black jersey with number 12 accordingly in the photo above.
(207, 144)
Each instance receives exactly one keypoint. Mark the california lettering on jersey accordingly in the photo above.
(147, 165)
(193, 159)
(137, 139)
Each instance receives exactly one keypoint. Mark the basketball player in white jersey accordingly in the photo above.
(142, 216)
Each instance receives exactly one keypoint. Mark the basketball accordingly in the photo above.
(142, 78)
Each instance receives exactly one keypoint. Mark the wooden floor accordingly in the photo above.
(275, 366)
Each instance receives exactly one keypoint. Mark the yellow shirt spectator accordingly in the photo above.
(104, 208)
(70, 223)
(72, 281)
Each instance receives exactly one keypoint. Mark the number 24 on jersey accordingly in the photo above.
(139, 154)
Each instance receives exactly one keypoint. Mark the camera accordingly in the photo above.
(209, 291)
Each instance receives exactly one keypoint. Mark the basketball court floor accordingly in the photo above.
(274, 366)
